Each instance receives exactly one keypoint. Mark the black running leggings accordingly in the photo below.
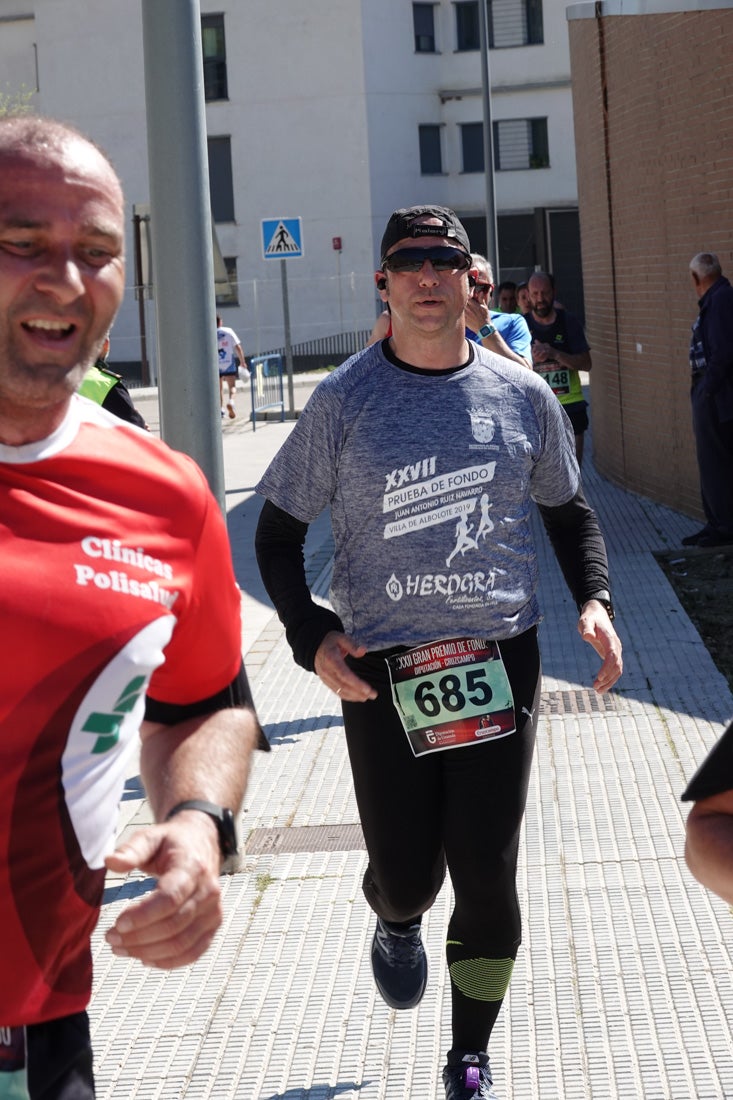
(461, 808)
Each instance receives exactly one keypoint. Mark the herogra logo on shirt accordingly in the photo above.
(418, 496)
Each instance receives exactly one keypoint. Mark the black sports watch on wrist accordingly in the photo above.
(603, 596)
(222, 817)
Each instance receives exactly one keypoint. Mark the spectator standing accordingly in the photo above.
(229, 347)
(711, 362)
(505, 334)
(559, 351)
(123, 620)
(428, 450)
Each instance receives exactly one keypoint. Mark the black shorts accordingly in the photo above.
(578, 416)
(50, 1061)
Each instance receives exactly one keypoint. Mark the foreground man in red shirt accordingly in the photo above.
(121, 619)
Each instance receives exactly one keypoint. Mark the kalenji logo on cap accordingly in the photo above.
(421, 230)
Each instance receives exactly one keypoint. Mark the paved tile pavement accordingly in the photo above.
(623, 989)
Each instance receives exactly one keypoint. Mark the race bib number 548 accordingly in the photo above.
(451, 693)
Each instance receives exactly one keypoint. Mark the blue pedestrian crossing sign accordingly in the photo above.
(282, 238)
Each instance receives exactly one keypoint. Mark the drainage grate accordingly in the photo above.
(305, 838)
(349, 838)
(585, 701)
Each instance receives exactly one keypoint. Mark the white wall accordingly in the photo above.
(90, 73)
(325, 100)
(297, 118)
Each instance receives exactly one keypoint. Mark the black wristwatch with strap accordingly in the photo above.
(222, 817)
(603, 596)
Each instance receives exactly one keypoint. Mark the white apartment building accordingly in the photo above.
(335, 112)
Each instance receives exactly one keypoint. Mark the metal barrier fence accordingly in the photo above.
(321, 353)
(266, 384)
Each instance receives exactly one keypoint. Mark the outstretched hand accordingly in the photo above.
(174, 924)
(595, 628)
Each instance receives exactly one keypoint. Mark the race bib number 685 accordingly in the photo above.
(451, 693)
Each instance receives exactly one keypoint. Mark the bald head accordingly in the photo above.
(46, 141)
(62, 224)
(541, 287)
(32, 133)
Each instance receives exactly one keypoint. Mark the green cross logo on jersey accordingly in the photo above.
(107, 726)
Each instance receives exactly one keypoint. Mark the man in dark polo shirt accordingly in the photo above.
(559, 351)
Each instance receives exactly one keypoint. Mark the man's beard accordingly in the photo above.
(37, 383)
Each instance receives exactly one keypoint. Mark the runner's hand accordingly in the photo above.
(331, 666)
(541, 353)
(595, 627)
(175, 923)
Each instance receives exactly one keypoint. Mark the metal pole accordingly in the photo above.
(140, 294)
(341, 302)
(288, 347)
(492, 250)
(183, 266)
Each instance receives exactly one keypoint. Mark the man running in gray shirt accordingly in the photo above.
(429, 451)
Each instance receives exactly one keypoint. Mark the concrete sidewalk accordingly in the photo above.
(623, 988)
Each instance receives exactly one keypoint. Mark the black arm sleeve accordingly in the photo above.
(279, 545)
(579, 547)
(236, 694)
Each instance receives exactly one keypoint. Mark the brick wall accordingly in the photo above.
(655, 186)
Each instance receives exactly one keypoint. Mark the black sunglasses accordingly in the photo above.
(441, 257)
(485, 287)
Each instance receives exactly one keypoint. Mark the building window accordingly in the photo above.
(220, 179)
(472, 145)
(229, 296)
(423, 21)
(515, 23)
(467, 25)
(521, 143)
(215, 57)
(431, 160)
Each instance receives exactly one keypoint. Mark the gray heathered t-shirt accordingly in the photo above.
(429, 479)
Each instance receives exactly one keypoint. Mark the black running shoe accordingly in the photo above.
(399, 964)
(692, 540)
(468, 1076)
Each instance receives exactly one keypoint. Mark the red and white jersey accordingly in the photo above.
(116, 582)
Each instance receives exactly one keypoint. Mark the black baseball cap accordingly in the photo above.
(402, 224)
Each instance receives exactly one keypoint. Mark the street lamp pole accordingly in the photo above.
(180, 231)
(492, 250)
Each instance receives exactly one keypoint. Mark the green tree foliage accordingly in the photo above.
(16, 102)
